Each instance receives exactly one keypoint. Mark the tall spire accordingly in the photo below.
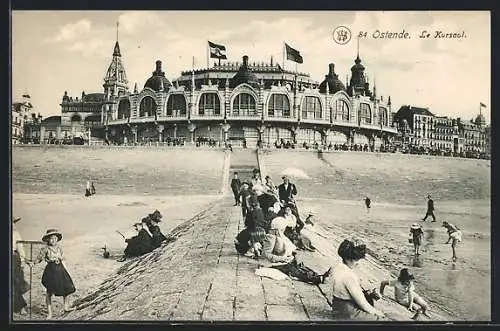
(358, 49)
(116, 51)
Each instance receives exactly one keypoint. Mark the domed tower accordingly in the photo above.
(480, 120)
(158, 81)
(333, 81)
(244, 75)
(358, 84)
(115, 81)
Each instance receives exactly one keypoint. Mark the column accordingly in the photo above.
(42, 134)
(225, 129)
(134, 132)
(175, 131)
(58, 132)
(160, 132)
(191, 128)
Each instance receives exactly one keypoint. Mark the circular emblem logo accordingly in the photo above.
(341, 35)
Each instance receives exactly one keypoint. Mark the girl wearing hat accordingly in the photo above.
(348, 300)
(417, 235)
(404, 292)
(455, 235)
(56, 278)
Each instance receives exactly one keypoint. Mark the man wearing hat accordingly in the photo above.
(245, 192)
(417, 235)
(287, 191)
(19, 283)
(235, 187)
(430, 209)
(139, 244)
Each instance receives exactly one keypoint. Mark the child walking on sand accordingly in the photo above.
(417, 235)
(404, 292)
(55, 278)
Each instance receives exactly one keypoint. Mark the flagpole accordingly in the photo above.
(283, 56)
(208, 54)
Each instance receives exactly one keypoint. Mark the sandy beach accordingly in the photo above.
(87, 225)
(334, 191)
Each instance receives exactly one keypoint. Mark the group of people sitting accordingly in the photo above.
(273, 225)
(149, 236)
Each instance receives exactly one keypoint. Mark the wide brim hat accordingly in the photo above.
(137, 223)
(416, 226)
(16, 219)
(52, 232)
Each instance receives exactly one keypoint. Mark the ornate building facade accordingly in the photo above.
(255, 102)
(20, 111)
(419, 128)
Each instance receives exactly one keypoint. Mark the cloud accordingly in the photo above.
(72, 31)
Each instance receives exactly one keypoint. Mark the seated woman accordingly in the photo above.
(139, 244)
(404, 292)
(152, 222)
(273, 247)
(255, 215)
(348, 299)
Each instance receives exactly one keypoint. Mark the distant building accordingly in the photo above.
(32, 129)
(419, 128)
(19, 113)
(417, 124)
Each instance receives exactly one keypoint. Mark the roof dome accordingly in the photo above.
(357, 64)
(157, 79)
(333, 81)
(480, 120)
(244, 75)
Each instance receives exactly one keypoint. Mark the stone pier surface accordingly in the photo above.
(199, 276)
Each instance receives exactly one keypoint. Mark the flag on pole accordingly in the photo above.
(217, 51)
(482, 105)
(293, 54)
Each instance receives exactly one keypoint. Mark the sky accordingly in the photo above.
(57, 51)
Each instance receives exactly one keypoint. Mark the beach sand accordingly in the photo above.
(88, 224)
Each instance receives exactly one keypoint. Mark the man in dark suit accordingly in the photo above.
(430, 209)
(235, 186)
(287, 191)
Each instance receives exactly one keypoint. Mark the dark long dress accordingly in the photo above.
(139, 245)
(19, 283)
(158, 236)
(56, 278)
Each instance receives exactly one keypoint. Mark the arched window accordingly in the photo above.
(147, 107)
(124, 109)
(311, 108)
(383, 116)
(176, 105)
(341, 110)
(244, 105)
(209, 105)
(365, 113)
(278, 106)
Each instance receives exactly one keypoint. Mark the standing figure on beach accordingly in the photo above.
(404, 292)
(348, 300)
(88, 189)
(256, 179)
(454, 235)
(287, 191)
(19, 286)
(368, 203)
(430, 209)
(235, 186)
(55, 278)
(245, 192)
(92, 188)
(417, 235)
